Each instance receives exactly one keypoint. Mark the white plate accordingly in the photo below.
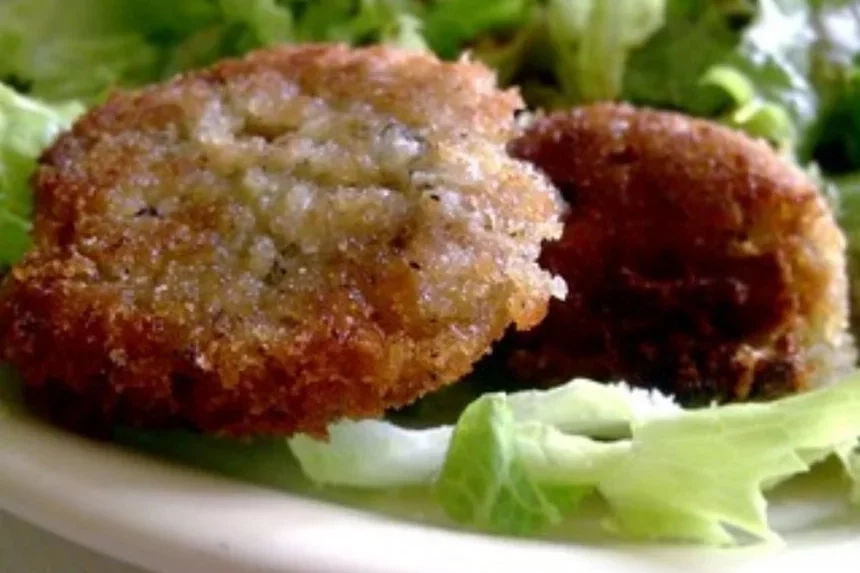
(177, 520)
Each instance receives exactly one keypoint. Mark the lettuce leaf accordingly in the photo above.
(401, 457)
(751, 113)
(268, 22)
(81, 49)
(26, 127)
(698, 60)
(450, 26)
(697, 34)
(69, 49)
(490, 487)
(699, 475)
(518, 463)
(562, 52)
(836, 140)
(362, 22)
(404, 457)
(565, 52)
(747, 64)
(592, 40)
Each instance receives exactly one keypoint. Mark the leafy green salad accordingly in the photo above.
(513, 463)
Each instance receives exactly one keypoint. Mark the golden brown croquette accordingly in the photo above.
(697, 260)
(277, 242)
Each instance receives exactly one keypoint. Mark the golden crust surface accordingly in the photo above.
(697, 261)
(276, 242)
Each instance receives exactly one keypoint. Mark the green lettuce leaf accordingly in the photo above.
(26, 127)
(836, 139)
(405, 457)
(489, 487)
(593, 39)
(363, 22)
(779, 69)
(746, 64)
(451, 25)
(265, 20)
(80, 49)
(697, 35)
(61, 49)
(750, 112)
(401, 457)
(697, 473)
(507, 467)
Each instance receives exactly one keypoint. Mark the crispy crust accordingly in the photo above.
(697, 261)
(277, 242)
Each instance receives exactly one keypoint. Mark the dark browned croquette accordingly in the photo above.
(697, 260)
(271, 244)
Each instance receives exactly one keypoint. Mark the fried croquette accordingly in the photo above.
(697, 261)
(277, 242)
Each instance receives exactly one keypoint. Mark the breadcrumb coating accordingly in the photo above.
(278, 242)
(697, 260)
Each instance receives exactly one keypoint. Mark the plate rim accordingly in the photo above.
(77, 489)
